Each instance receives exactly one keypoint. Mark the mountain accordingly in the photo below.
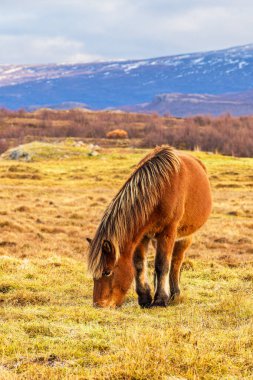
(102, 85)
(183, 105)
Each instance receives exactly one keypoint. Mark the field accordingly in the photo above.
(49, 329)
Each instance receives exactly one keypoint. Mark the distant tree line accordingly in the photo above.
(224, 134)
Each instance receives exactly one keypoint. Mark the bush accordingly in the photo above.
(3, 145)
(225, 134)
(117, 134)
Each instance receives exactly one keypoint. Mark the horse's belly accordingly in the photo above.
(197, 209)
(195, 215)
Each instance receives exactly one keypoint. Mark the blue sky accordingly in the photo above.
(44, 31)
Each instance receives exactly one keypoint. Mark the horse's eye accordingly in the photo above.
(107, 273)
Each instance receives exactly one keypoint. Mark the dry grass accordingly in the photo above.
(49, 329)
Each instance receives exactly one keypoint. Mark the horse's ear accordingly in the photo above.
(89, 240)
(108, 250)
(107, 247)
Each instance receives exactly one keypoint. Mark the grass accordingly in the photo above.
(48, 327)
(38, 151)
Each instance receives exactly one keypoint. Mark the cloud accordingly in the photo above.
(43, 50)
(67, 30)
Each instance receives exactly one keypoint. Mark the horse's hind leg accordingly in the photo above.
(165, 244)
(140, 265)
(178, 255)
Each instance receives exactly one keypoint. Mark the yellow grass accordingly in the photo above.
(48, 327)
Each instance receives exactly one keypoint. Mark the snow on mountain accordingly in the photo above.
(118, 83)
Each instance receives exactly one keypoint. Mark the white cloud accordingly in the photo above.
(73, 30)
(43, 50)
(82, 57)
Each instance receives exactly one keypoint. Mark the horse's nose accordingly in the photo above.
(97, 304)
(100, 304)
(104, 304)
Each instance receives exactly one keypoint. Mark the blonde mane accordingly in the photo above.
(132, 206)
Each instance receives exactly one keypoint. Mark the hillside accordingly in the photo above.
(183, 105)
(125, 83)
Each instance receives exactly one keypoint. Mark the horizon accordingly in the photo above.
(118, 60)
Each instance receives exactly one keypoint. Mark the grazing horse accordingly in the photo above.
(167, 198)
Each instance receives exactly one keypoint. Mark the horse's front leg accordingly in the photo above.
(165, 244)
(180, 248)
(140, 265)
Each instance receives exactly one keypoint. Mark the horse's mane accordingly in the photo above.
(133, 204)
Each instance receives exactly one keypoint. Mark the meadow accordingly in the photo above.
(48, 326)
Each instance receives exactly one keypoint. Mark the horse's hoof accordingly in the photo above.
(161, 302)
(145, 301)
(175, 299)
(145, 305)
(175, 296)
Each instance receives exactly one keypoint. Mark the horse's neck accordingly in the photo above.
(133, 243)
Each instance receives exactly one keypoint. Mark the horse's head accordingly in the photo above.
(117, 275)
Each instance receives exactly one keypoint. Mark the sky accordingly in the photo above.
(71, 31)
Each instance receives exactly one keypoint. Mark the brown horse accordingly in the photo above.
(168, 198)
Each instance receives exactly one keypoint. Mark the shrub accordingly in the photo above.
(3, 145)
(117, 134)
(226, 134)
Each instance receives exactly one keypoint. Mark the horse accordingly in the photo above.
(167, 198)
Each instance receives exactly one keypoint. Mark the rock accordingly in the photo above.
(93, 147)
(79, 143)
(93, 150)
(93, 153)
(19, 154)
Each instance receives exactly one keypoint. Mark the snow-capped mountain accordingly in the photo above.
(112, 84)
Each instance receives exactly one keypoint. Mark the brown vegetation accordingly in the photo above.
(117, 134)
(225, 134)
